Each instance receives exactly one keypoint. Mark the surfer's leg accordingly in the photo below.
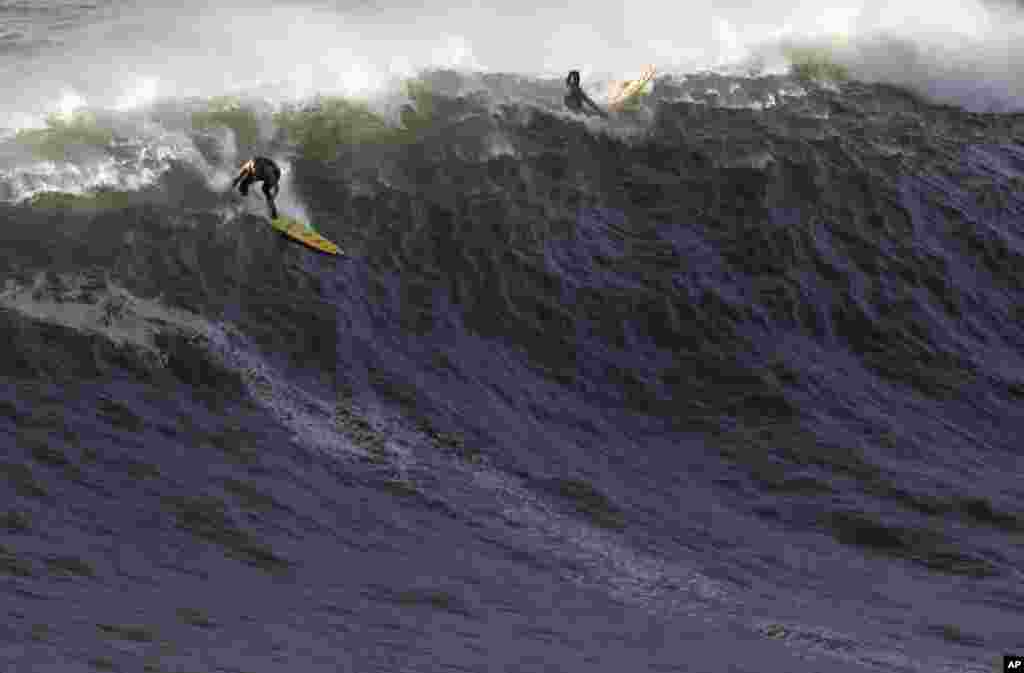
(243, 187)
(268, 193)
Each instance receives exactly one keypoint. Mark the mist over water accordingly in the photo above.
(965, 53)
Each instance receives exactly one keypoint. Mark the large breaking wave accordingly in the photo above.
(738, 370)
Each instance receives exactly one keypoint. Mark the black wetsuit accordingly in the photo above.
(575, 99)
(260, 169)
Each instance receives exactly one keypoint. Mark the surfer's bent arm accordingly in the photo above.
(245, 171)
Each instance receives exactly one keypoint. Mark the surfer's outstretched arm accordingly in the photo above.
(594, 105)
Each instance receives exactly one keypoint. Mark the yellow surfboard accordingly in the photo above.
(297, 230)
(621, 92)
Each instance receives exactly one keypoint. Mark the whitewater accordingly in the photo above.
(730, 381)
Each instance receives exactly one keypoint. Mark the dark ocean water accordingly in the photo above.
(731, 383)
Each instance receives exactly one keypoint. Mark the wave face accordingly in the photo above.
(734, 375)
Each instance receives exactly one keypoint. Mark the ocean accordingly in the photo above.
(730, 381)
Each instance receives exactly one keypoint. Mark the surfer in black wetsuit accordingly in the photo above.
(260, 169)
(575, 99)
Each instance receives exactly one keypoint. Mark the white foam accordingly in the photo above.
(130, 163)
(141, 95)
(25, 182)
(69, 103)
(946, 49)
(126, 319)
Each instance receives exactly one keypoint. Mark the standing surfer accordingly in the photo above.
(260, 169)
(575, 98)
